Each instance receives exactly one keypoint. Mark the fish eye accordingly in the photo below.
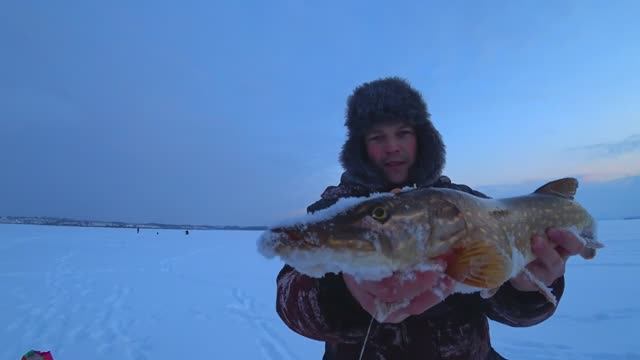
(379, 213)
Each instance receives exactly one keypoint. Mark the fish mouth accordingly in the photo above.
(309, 236)
(290, 237)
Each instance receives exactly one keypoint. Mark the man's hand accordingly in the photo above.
(412, 294)
(552, 256)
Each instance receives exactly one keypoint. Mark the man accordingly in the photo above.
(391, 144)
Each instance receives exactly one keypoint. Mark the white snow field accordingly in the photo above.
(97, 293)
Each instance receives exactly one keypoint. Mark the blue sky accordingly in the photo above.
(218, 113)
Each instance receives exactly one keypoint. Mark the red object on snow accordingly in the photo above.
(37, 355)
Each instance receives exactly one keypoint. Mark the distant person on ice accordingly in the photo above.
(391, 144)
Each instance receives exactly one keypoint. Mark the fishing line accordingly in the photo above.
(365, 339)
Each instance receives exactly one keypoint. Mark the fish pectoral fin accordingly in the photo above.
(566, 188)
(480, 264)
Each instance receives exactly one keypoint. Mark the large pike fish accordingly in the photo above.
(484, 242)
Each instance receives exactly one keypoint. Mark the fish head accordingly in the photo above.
(392, 232)
(384, 225)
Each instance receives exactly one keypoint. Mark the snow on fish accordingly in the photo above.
(484, 242)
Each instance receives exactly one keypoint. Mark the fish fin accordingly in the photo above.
(587, 237)
(487, 293)
(565, 188)
(542, 288)
(590, 245)
(479, 264)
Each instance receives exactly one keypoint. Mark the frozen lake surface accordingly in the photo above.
(97, 293)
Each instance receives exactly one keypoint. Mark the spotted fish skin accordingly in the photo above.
(500, 231)
(485, 242)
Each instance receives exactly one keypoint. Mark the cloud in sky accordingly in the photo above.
(616, 148)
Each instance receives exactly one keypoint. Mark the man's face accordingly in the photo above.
(392, 148)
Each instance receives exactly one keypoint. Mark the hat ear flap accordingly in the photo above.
(431, 156)
(355, 161)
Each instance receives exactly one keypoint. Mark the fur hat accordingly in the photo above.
(383, 100)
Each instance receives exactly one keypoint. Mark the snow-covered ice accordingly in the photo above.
(114, 294)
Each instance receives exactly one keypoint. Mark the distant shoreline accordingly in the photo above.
(52, 221)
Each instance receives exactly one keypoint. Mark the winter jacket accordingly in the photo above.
(323, 309)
